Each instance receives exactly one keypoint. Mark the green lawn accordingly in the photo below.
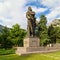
(47, 56)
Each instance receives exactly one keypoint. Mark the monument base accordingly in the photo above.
(31, 42)
(30, 50)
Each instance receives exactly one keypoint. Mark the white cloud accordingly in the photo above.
(12, 12)
(37, 10)
(38, 19)
(54, 6)
(50, 3)
(53, 14)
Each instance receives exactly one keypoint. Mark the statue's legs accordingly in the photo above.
(33, 32)
(33, 28)
(28, 31)
(29, 28)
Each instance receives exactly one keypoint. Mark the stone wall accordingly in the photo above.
(25, 50)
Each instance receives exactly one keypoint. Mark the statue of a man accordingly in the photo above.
(31, 22)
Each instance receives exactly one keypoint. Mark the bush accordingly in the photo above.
(6, 52)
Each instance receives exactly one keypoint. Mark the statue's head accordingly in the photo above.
(29, 8)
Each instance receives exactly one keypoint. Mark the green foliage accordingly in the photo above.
(17, 35)
(57, 34)
(12, 37)
(48, 35)
(43, 31)
(4, 39)
(0, 37)
(54, 34)
(6, 52)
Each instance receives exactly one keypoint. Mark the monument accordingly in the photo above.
(31, 42)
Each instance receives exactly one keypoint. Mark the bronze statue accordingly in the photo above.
(31, 22)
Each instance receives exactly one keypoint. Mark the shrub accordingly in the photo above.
(6, 52)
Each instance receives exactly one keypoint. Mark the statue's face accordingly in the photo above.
(29, 8)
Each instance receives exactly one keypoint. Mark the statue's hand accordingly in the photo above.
(28, 17)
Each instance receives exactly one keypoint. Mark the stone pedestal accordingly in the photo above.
(31, 42)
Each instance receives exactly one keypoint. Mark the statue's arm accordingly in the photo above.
(27, 16)
(32, 13)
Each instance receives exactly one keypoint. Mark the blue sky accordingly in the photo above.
(14, 11)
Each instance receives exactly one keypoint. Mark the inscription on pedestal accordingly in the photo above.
(31, 42)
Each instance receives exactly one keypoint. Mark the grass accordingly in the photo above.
(48, 56)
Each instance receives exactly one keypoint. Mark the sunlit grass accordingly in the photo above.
(47, 56)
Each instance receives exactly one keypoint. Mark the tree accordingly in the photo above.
(57, 34)
(12, 36)
(5, 41)
(54, 33)
(0, 39)
(17, 35)
(43, 31)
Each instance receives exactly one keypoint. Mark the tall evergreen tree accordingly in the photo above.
(43, 32)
